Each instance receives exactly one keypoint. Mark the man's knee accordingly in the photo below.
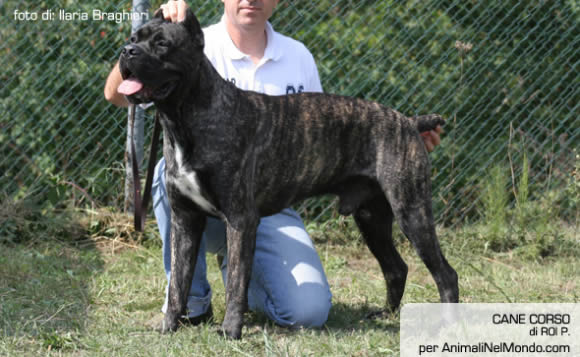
(314, 312)
(309, 308)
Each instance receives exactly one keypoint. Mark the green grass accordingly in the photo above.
(90, 290)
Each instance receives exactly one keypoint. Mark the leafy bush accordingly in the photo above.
(529, 228)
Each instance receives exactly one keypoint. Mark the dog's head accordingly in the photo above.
(160, 57)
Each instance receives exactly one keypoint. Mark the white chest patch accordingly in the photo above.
(188, 184)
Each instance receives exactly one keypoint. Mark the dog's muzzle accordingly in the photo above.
(131, 51)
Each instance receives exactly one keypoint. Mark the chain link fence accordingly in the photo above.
(503, 72)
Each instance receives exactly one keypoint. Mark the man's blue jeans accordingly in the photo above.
(288, 283)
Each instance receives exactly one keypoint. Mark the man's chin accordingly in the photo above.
(251, 19)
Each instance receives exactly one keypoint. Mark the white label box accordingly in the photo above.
(483, 330)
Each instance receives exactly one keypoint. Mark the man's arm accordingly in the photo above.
(113, 81)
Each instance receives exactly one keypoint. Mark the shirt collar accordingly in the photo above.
(272, 51)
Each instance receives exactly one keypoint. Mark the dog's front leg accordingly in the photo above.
(187, 225)
(241, 240)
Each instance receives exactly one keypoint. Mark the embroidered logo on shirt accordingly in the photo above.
(290, 89)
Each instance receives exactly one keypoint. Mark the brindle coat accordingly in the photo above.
(241, 155)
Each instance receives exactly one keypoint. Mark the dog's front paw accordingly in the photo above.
(232, 327)
(169, 324)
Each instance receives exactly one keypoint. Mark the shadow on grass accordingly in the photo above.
(357, 317)
(343, 319)
(44, 290)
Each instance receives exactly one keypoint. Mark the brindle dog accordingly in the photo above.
(241, 155)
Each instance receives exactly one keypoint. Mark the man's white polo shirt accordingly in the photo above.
(287, 66)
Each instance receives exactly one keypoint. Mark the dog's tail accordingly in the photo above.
(427, 122)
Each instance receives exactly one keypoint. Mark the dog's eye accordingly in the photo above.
(162, 43)
(133, 39)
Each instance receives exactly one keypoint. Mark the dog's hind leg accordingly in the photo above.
(187, 225)
(411, 204)
(375, 219)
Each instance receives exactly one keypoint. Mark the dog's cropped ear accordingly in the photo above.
(158, 14)
(193, 27)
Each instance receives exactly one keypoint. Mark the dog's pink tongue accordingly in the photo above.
(130, 86)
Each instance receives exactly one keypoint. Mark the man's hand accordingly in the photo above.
(174, 10)
(431, 138)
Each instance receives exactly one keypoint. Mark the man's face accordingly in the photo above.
(249, 12)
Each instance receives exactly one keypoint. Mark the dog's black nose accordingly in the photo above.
(131, 50)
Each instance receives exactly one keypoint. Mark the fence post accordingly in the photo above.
(139, 7)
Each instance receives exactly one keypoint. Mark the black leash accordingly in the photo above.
(141, 203)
